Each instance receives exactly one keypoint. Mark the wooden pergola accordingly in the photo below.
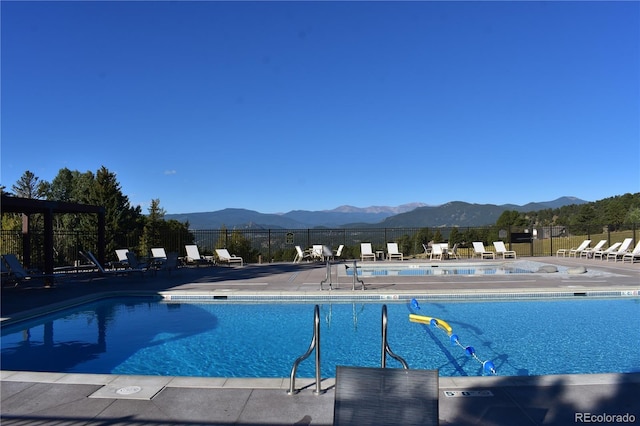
(48, 209)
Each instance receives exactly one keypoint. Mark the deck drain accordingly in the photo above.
(128, 390)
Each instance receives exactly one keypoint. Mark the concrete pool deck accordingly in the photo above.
(102, 399)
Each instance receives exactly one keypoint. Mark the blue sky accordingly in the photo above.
(279, 106)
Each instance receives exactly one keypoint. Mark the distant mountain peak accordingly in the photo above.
(377, 209)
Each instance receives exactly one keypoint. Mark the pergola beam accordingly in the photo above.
(48, 209)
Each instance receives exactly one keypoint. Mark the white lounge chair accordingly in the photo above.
(158, 257)
(577, 251)
(301, 255)
(588, 252)
(436, 251)
(624, 248)
(317, 252)
(224, 256)
(158, 253)
(632, 255)
(453, 251)
(573, 250)
(602, 254)
(501, 249)
(193, 255)
(122, 261)
(366, 252)
(480, 251)
(393, 252)
(338, 252)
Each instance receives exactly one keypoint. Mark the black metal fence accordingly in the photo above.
(277, 245)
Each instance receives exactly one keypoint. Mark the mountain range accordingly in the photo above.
(455, 213)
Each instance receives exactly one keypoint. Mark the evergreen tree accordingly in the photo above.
(29, 186)
(153, 224)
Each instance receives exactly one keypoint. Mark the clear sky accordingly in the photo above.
(279, 106)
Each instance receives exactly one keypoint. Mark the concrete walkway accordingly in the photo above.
(83, 399)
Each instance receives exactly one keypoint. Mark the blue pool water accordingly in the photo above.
(144, 336)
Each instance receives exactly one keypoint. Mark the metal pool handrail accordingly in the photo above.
(385, 344)
(315, 343)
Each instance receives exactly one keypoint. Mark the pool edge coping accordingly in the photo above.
(445, 382)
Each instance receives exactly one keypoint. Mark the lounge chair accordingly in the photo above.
(479, 250)
(317, 252)
(385, 396)
(301, 255)
(366, 252)
(588, 252)
(573, 250)
(577, 251)
(453, 252)
(602, 254)
(170, 263)
(436, 251)
(193, 255)
(501, 249)
(338, 252)
(122, 261)
(393, 252)
(632, 255)
(158, 257)
(159, 253)
(92, 259)
(624, 248)
(224, 256)
(135, 264)
(16, 272)
(427, 249)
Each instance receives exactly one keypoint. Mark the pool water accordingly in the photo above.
(151, 337)
(420, 270)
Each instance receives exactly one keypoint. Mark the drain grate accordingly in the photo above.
(128, 390)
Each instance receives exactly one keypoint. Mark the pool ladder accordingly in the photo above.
(315, 344)
(385, 344)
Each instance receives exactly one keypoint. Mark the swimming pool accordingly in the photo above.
(421, 269)
(457, 268)
(227, 339)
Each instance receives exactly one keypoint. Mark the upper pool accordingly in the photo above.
(485, 267)
(227, 339)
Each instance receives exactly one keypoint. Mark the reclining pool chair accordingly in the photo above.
(624, 248)
(436, 251)
(393, 252)
(106, 272)
(602, 254)
(632, 255)
(366, 252)
(16, 272)
(193, 255)
(479, 250)
(301, 255)
(385, 396)
(573, 251)
(501, 249)
(589, 251)
(224, 256)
